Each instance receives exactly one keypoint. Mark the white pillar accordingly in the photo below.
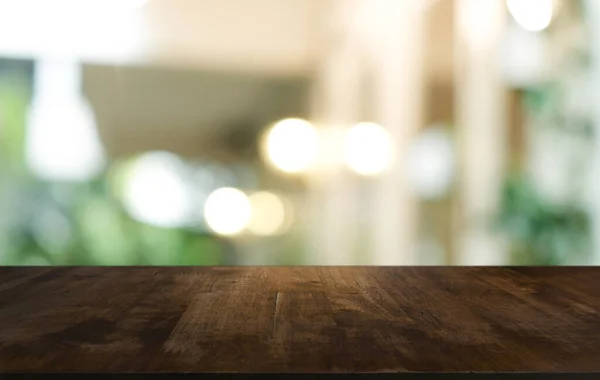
(62, 142)
(396, 40)
(481, 121)
(333, 198)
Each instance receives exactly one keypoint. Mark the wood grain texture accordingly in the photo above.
(299, 319)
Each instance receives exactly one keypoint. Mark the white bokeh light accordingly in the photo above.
(431, 163)
(155, 193)
(532, 15)
(525, 57)
(368, 149)
(270, 214)
(227, 211)
(292, 145)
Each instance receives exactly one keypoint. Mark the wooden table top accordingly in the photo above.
(299, 319)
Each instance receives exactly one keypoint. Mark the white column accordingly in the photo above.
(396, 39)
(333, 199)
(481, 121)
(62, 141)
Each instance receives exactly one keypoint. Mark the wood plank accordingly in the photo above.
(299, 319)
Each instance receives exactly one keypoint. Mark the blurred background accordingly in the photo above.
(299, 132)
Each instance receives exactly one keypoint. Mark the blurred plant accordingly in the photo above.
(63, 224)
(542, 208)
(540, 232)
(46, 223)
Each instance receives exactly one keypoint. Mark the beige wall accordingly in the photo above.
(273, 36)
(279, 36)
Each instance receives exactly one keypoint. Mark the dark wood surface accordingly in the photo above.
(316, 319)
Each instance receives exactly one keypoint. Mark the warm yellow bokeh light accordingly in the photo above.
(227, 211)
(532, 15)
(291, 145)
(368, 149)
(269, 214)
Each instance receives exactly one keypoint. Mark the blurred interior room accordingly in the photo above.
(299, 132)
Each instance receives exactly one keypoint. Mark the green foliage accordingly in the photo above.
(44, 223)
(14, 99)
(69, 224)
(541, 233)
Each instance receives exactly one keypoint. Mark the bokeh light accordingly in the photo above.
(156, 193)
(526, 59)
(532, 15)
(227, 211)
(368, 149)
(270, 214)
(431, 163)
(292, 145)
